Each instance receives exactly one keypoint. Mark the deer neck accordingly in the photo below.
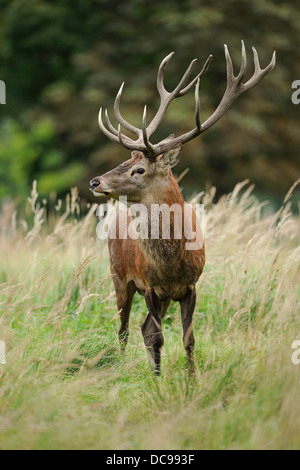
(167, 192)
(159, 248)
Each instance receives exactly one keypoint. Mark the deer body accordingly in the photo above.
(163, 265)
(158, 267)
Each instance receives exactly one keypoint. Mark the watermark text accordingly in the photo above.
(2, 92)
(296, 354)
(157, 221)
(296, 94)
(2, 353)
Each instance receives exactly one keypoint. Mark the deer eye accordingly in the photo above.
(140, 171)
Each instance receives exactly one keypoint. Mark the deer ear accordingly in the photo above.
(170, 158)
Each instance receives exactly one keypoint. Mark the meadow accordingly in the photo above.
(65, 384)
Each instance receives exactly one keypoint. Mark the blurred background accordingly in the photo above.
(61, 60)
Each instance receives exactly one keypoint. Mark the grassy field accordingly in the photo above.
(65, 384)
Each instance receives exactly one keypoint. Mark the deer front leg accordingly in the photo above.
(124, 294)
(187, 305)
(152, 330)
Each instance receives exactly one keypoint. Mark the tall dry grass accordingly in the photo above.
(65, 384)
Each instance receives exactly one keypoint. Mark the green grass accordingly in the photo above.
(66, 385)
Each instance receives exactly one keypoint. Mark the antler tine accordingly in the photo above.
(149, 146)
(199, 76)
(109, 124)
(256, 59)
(259, 73)
(229, 67)
(243, 64)
(178, 90)
(160, 75)
(197, 106)
(110, 135)
(120, 118)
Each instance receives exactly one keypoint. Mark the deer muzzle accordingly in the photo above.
(97, 186)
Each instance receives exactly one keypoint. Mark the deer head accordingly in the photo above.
(138, 177)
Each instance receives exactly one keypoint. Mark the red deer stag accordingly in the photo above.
(161, 269)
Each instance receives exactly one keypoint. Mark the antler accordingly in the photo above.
(143, 143)
(234, 88)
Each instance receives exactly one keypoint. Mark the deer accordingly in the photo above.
(162, 270)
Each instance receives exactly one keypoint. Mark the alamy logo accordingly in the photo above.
(296, 94)
(2, 353)
(160, 221)
(2, 92)
(296, 355)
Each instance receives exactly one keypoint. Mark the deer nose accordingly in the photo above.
(95, 183)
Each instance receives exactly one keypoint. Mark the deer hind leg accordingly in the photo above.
(124, 293)
(152, 330)
(187, 305)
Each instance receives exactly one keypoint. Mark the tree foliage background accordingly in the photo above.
(61, 60)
